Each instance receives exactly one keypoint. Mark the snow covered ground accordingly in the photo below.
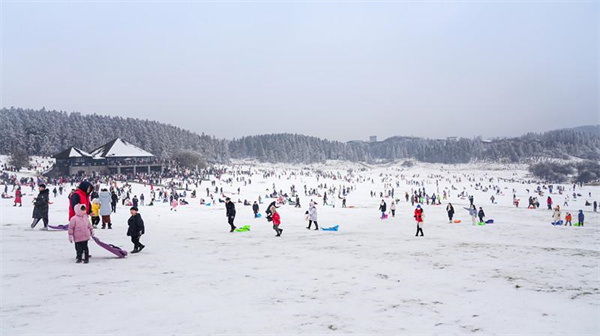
(520, 275)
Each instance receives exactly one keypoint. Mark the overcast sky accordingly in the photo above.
(339, 70)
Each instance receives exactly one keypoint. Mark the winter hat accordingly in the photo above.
(42, 186)
(133, 208)
(418, 206)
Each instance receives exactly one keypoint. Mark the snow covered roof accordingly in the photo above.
(72, 152)
(120, 148)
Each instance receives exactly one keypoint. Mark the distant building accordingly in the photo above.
(373, 138)
(115, 157)
(453, 138)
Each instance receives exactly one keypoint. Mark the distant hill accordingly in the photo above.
(588, 129)
(43, 132)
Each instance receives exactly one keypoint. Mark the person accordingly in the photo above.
(312, 215)
(276, 222)
(174, 203)
(230, 213)
(419, 219)
(114, 199)
(382, 208)
(136, 229)
(40, 207)
(18, 196)
(95, 212)
(473, 213)
(471, 198)
(344, 202)
(142, 199)
(135, 201)
(297, 205)
(80, 196)
(549, 201)
(106, 207)
(481, 214)
(556, 215)
(450, 211)
(255, 209)
(595, 206)
(80, 231)
(568, 219)
(393, 208)
(580, 217)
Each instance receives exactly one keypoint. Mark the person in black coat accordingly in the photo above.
(481, 214)
(114, 199)
(450, 210)
(136, 229)
(40, 207)
(383, 208)
(230, 212)
(255, 209)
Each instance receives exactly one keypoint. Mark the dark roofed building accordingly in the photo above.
(116, 157)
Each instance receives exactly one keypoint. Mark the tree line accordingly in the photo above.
(42, 132)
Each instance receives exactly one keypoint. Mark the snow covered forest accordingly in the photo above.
(43, 132)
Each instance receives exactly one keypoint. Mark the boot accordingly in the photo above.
(135, 250)
(141, 248)
(103, 226)
(85, 261)
(78, 261)
(280, 231)
(110, 226)
(232, 228)
(33, 224)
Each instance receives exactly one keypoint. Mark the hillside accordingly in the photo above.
(44, 132)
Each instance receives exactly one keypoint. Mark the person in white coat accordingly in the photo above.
(105, 207)
(312, 216)
(393, 208)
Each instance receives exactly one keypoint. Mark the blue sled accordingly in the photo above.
(258, 215)
(560, 222)
(333, 228)
(489, 221)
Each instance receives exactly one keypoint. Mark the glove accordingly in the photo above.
(71, 239)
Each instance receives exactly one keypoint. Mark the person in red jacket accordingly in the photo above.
(276, 221)
(419, 219)
(80, 196)
(18, 197)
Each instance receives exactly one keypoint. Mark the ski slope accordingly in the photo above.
(520, 275)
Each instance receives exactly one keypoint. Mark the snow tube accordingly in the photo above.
(258, 215)
(333, 228)
(351, 207)
(456, 221)
(489, 221)
(481, 223)
(207, 204)
(560, 222)
(244, 228)
(574, 224)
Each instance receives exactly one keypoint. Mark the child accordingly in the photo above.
(80, 231)
(96, 212)
(580, 217)
(136, 229)
(174, 204)
(419, 219)
(568, 219)
(393, 208)
(276, 221)
(481, 214)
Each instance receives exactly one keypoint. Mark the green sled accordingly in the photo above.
(244, 228)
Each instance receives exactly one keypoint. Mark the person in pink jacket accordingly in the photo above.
(80, 231)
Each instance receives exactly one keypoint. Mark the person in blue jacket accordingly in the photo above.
(580, 217)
